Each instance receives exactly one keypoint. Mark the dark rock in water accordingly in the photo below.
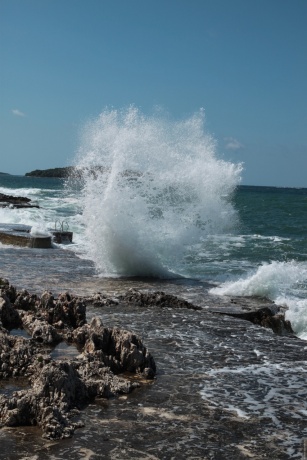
(59, 388)
(7, 289)
(9, 317)
(40, 330)
(66, 311)
(160, 299)
(23, 300)
(16, 201)
(226, 388)
(269, 317)
(121, 350)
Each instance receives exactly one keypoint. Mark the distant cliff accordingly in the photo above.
(54, 172)
(4, 174)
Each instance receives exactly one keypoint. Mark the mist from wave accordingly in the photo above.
(285, 283)
(152, 188)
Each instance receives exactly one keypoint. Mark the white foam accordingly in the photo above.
(285, 283)
(263, 390)
(270, 280)
(162, 189)
(39, 230)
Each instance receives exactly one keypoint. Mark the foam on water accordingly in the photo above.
(56, 205)
(152, 187)
(270, 391)
(283, 282)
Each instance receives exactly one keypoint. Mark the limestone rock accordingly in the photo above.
(9, 316)
(160, 299)
(57, 389)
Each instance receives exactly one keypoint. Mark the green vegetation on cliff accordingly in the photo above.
(54, 172)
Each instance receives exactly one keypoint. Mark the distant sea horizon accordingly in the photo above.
(239, 185)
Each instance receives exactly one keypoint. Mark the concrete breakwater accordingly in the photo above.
(20, 235)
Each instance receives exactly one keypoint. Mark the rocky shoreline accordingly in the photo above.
(9, 201)
(225, 386)
(57, 389)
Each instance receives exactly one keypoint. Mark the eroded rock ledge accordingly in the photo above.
(52, 392)
(16, 202)
(158, 299)
(269, 315)
(56, 390)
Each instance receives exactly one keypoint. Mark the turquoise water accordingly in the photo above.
(264, 254)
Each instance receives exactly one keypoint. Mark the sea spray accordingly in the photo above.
(285, 283)
(152, 187)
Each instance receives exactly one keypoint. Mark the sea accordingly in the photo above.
(154, 206)
(155, 200)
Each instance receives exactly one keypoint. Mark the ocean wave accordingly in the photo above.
(161, 189)
(285, 283)
(27, 192)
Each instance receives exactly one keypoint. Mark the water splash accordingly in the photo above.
(152, 187)
(282, 282)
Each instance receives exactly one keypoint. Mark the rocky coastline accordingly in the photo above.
(61, 173)
(58, 389)
(221, 377)
(9, 201)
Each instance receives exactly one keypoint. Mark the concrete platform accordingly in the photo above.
(19, 235)
(61, 237)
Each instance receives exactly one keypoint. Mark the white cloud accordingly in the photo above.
(18, 113)
(233, 144)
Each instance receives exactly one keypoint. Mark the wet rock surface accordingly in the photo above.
(16, 201)
(157, 299)
(225, 388)
(59, 388)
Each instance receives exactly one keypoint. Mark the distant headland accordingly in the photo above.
(4, 174)
(68, 171)
(54, 172)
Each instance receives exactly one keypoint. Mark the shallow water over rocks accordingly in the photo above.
(225, 388)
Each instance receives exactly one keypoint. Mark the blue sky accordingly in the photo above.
(245, 61)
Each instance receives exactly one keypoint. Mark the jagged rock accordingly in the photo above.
(58, 388)
(7, 289)
(160, 299)
(16, 354)
(121, 350)
(41, 330)
(16, 201)
(47, 300)
(25, 301)
(100, 300)
(269, 317)
(9, 316)
(66, 311)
